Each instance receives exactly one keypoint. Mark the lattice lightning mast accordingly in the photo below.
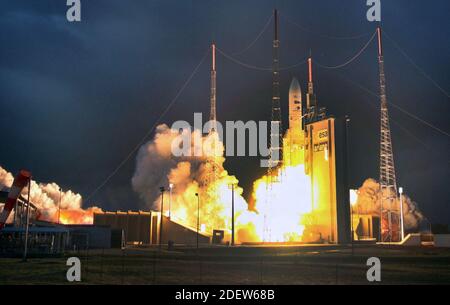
(212, 115)
(213, 159)
(276, 134)
(388, 182)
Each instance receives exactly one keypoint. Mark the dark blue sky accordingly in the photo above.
(77, 97)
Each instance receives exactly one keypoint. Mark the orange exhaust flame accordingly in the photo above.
(77, 216)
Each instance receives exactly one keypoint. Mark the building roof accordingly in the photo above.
(35, 230)
(125, 213)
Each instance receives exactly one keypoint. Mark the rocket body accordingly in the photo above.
(293, 144)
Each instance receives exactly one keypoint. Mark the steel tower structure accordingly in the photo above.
(212, 115)
(311, 101)
(212, 160)
(388, 184)
(276, 134)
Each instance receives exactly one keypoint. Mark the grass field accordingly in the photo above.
(239, 265)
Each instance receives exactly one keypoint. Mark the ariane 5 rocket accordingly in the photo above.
(294, 140)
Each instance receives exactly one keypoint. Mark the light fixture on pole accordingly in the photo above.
(25, 252)
(59, 205)
(162, 190)
(198, 214)
(402, 229)
(232, 186)
(170, 199)
(353, 200)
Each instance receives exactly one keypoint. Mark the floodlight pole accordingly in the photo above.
(170, 199)
(162, 190)
(347, 122)
(25, 251)
(198, 214)
(59, 206)
(352, 228)
(232, 213)
(400, 190)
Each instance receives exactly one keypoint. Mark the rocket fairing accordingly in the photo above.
(293, 143)
(295, 105)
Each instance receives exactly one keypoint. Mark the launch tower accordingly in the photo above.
(276, 132)
(212, 159)
(388, 184)
(212, 115)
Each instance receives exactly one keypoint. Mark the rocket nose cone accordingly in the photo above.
(295, 86)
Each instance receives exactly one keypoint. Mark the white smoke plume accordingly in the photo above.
(156, 166)
(46, 197)
(368, 202)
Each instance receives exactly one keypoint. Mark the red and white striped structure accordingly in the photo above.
(21, 180)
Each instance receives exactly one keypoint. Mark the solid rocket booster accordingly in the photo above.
(295, 105)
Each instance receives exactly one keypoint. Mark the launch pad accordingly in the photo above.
(246, 265)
